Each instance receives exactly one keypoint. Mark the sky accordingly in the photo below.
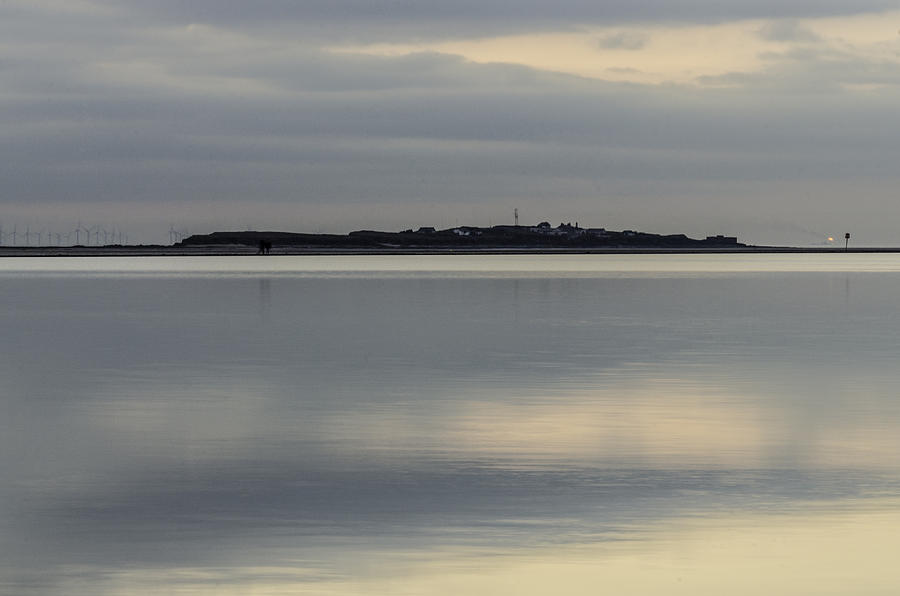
(775, 121)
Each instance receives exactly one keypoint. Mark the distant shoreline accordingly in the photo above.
(542, 239)
(237, 250)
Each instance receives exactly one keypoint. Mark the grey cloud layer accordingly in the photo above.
(348, 19)
(112, 107)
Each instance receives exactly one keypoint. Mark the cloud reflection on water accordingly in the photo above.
(436, 435)
(813, 552)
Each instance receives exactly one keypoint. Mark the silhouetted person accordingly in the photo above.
(262, 247)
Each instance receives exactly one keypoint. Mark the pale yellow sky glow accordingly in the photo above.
(657, 54)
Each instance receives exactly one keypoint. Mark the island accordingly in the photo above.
(543, 236)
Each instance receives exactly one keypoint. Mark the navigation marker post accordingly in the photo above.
(846, 240)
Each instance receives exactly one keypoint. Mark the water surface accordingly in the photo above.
(634, 424)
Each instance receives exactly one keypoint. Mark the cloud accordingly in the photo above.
(421, 19)
(787, 31)
(823, 68)
(622, 41)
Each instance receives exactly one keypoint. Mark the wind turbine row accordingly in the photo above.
(81, 235)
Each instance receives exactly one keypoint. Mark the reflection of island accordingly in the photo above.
(543, 235)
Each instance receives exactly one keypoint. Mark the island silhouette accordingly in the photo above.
(540, 236)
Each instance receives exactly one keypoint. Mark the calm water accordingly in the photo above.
(637, 424)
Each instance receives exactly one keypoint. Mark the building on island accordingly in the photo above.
(719, 239)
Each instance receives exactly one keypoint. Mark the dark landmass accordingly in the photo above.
(539, 239)
(224, 250)
(541, 236)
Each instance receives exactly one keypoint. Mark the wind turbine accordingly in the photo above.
(87, 233)
(91, 232)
